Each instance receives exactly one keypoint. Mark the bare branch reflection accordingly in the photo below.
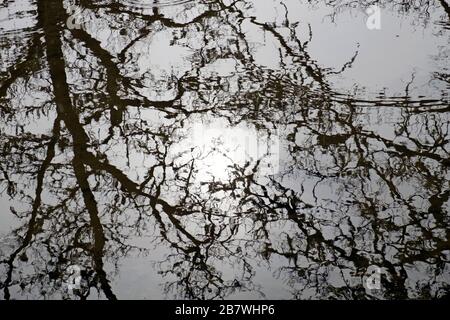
(99, 160)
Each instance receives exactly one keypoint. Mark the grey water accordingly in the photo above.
(224, 149)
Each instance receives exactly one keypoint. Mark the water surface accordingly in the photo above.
(218, 149)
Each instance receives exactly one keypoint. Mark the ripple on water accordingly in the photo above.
(154, 3)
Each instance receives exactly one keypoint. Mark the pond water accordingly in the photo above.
(224, 149)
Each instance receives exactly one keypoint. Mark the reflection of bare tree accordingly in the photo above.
(359, 185)
(422, 8)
